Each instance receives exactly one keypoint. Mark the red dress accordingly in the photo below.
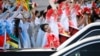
(52, 41)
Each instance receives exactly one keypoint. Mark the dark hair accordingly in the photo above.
(5, 9)
(44, 14)
(49, 7)
(36, 12)
(96, 1)
(78, 16)
(42, 27)
(16, 27)
(59, 1)
(41, 13)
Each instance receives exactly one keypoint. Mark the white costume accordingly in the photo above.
(64, 21)
(31, 32)
(74, 19)
(54, 26)
(40, 38)
(41, 34)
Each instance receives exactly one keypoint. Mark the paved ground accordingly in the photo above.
(42, 4)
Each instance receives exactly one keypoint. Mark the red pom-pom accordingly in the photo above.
(87, 10)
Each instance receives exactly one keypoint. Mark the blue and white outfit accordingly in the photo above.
(25, 35)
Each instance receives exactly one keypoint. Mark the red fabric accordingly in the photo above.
(49, 13)
(8, 37)
(97, 10)
(62, 38)
(72, 31)
(61, 30)
(67, 8)
(87, 10)
(52, 41)
(71, 23)
(59, 12)
(77, 7)
(60, 5)
(93, 5)
(1, 4)
(67, 11)
(55, 15)
(1, 41)
(80, 12)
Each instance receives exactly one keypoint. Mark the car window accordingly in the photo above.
(93, 31)
(89, 50)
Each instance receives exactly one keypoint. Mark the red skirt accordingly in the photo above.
(62, 38)
(72, 31)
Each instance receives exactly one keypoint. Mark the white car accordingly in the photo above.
(87, 47)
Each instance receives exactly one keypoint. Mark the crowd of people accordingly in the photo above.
(49, 28)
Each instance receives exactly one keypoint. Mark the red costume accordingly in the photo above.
(63, 35)
(52, 41)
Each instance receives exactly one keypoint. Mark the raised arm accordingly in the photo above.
(16, 13)
(11, 9)
(4, 15)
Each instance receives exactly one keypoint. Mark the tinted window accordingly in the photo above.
(90, 50)
(92, 31)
